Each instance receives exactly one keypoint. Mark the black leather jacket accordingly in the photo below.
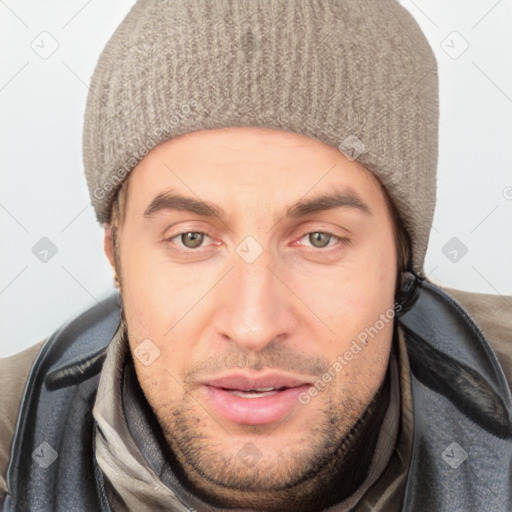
(462, 442)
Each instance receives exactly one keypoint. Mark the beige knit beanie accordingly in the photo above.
(358, 75)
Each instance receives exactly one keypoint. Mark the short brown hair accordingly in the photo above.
(403, 252)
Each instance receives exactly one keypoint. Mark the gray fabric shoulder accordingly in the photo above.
(493, 315)
(14, 372)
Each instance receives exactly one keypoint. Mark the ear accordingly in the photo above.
(108, 247)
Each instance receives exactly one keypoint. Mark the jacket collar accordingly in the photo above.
(136, 482)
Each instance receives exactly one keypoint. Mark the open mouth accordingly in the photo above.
(255, 393)
(254, 406)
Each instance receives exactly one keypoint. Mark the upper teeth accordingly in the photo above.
(253, 393)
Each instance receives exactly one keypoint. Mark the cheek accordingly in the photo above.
(151, 288)
(375, 273)
(364, 288)
(355, 300)
(161, 302)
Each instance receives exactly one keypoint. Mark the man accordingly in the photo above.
(265, 174)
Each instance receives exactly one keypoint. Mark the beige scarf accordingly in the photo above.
(134, 485)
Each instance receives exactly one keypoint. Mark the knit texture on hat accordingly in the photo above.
(358, 75)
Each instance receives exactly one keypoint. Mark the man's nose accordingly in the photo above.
(258, 307)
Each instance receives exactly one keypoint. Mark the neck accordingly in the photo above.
(335, 481)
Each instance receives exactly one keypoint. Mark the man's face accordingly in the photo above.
(257, 296)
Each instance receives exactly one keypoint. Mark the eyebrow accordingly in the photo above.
(346, 198)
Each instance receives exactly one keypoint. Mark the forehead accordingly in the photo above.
(251, 159)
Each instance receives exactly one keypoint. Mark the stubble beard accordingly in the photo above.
(308, 476)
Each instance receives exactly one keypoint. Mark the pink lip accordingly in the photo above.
(258, 410)
(254, 411)
(245, 382)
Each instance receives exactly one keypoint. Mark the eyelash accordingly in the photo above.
(343, 242)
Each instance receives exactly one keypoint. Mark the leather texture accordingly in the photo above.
(462, 445)
(55, 418)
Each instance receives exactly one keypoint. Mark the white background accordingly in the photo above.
(43, 191)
